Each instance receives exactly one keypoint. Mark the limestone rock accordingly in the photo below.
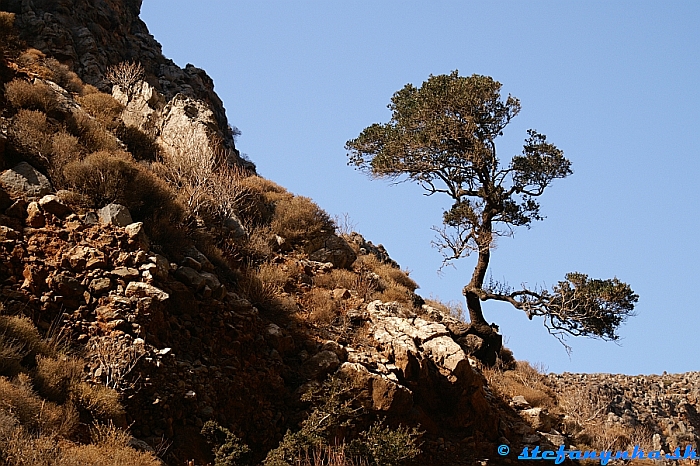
(379, 392)
(115, 214)
(137, 235)
(335, 250)
(35, 218)
(53, 205)
(27, 180)
(321, 364)
(144, 290)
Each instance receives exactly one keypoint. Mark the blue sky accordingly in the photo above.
(614, 84)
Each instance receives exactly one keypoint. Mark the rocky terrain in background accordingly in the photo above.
(661, 411)
(216, 295)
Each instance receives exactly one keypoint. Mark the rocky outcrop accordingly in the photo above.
(89, 36)
(415, 368)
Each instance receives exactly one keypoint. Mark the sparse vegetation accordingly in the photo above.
(125, 75)
(32, 96)
(522, 380)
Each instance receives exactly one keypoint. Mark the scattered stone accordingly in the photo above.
(99, 286)
(144, 290)
(335, 250)
(190, 277)
(321, 364)
(115, 214)
(519, 402)
(235, 227)
(35, 218)
(126, 273)
(137, 235)
(191, 263)
(53, 205)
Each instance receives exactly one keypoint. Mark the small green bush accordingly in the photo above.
(383, 446)
(228, 449)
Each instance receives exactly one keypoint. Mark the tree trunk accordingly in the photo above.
(492, 340)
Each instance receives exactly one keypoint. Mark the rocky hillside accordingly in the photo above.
(89, 36)
(161, 303)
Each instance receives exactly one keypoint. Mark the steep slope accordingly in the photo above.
(89, 36)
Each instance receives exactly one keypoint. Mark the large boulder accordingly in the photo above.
(25, 179)
(335, 250)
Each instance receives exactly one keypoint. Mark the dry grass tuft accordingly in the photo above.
(100, 401)
(523, 380)
(110, 447)
(36, 415)
(322, 308)
(54, 378)
(336, 278)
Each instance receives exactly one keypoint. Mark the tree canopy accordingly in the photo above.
(442, 136)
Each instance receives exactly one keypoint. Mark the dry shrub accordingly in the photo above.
(100, 401)
(389, 275)
(264, 286)
(298, 220)
(65, 148)
(257, 246)
(396, 293)
(30, 133)
(30, 57)
(63, 76)
(321, 306)
(275, 275)
(11, 354)
(103, 107)
(586, 411)
(89, 89)
(113, 176)
(7, 21)
(125, 75)
(34, 414)
(523, 380)
(110, 447)
(141, 145)
(336, 278)
(33, 96)
(91, 133)
(54, 378)
(19, 448)
(103, 176)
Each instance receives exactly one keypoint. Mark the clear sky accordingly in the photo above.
(614, 84)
